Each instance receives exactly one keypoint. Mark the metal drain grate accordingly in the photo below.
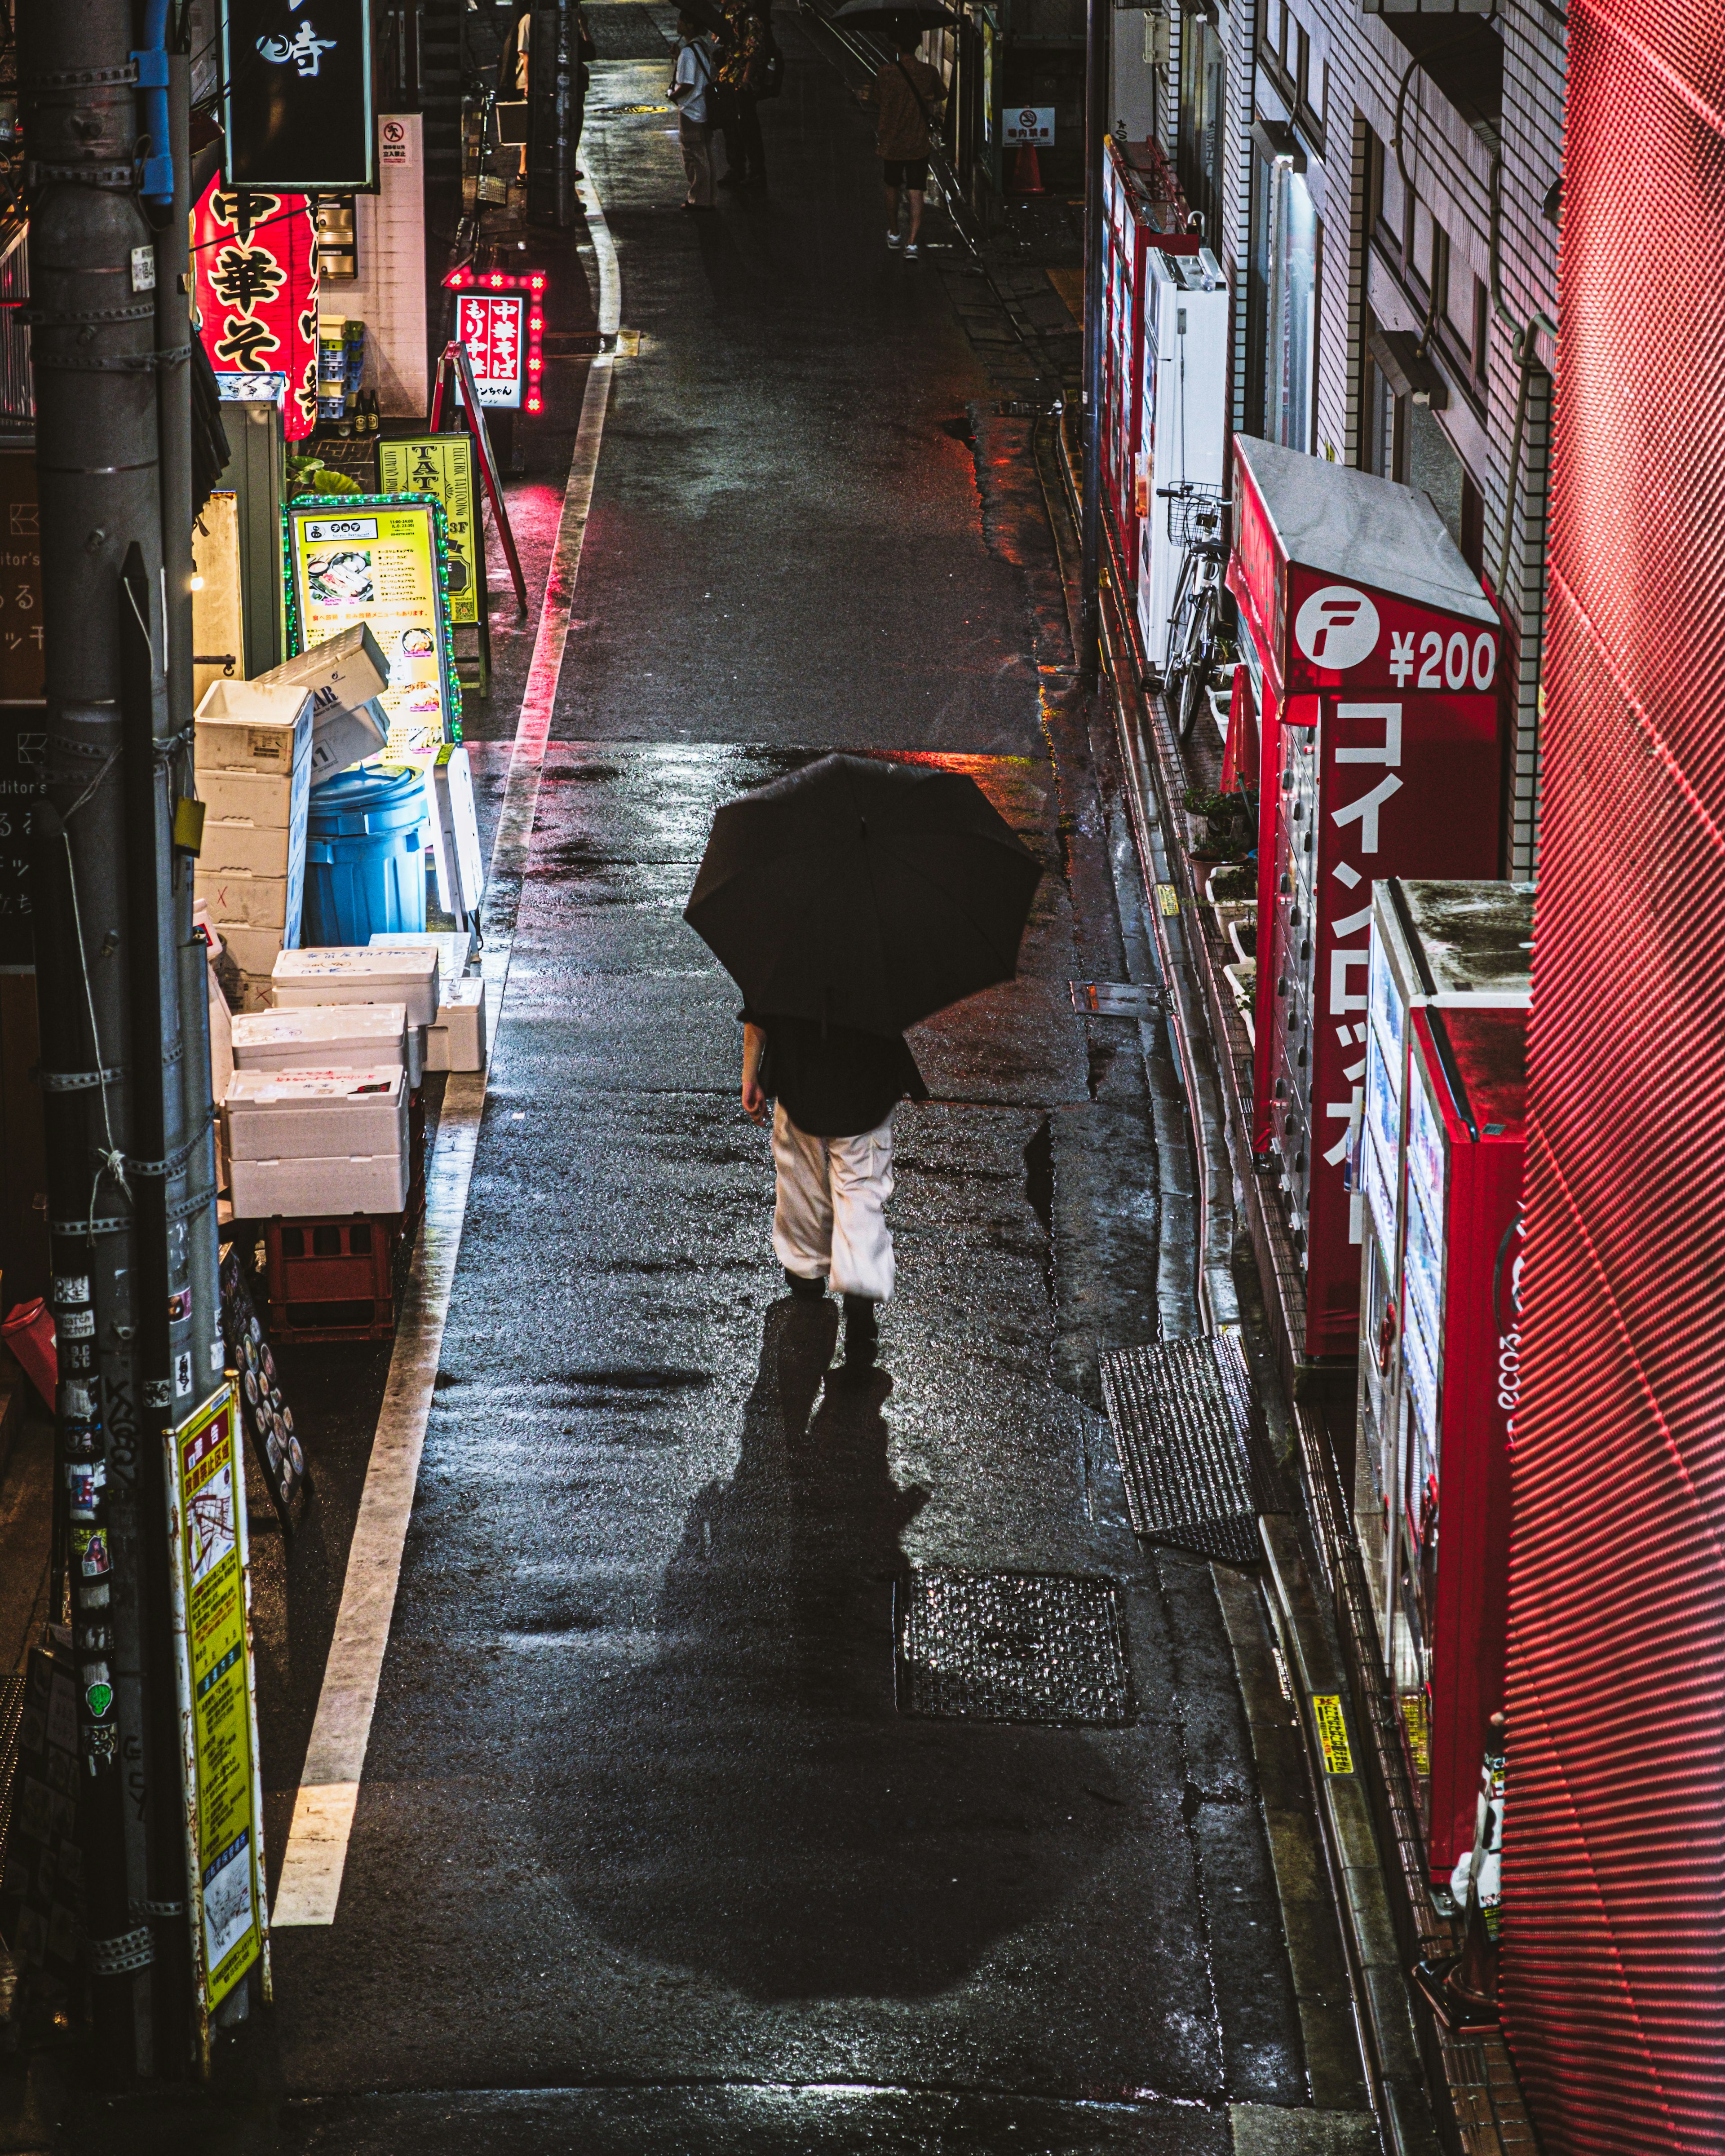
(1012, 1647)
(1192, 1447)
(11, 1719)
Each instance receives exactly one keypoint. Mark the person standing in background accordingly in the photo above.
(908, 95)
(692, 89)
(739, 116)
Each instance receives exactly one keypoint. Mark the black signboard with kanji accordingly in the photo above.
(299, 104)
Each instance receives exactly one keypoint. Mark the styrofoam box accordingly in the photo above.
(233, 848)
(324, 1037)
(453, 949)
(316, 1115)
(255, 902)
(342, 671)
(457, 1042)
(273, 800)
(253, 950)
(247, 726)
(356, 974)
(340, 739)
(290, 1188)
(257, 992)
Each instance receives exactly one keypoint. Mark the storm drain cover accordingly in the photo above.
(1012, 1647)
(1191, 1448)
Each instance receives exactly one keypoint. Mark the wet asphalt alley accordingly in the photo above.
(647, 1856)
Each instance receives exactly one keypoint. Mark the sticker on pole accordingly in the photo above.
(1336, 628)
(1332, 1733)
(218, 1716)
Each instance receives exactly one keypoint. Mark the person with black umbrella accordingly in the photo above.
(848, 902)
(835, 1089)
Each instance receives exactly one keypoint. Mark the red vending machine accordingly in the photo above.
(1450, 1346)
(1132, 223)
(1378, 754)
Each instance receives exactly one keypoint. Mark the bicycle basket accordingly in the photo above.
(1194, 514)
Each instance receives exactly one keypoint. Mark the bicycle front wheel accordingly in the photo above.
(1195, 665)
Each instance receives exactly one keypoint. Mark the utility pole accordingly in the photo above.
(553, 113)
(1099, 30)
(129, 1189)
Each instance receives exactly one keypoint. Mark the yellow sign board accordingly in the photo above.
(219, 1717)
(1332, 1733)
(442, 464)
(379, 558)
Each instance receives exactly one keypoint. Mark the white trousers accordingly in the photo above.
(829, 1217)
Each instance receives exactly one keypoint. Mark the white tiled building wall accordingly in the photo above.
(389, 294)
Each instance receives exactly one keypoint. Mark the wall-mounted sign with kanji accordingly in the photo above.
(490, 325)
(299, 102)
(256, 290)
(501, 318)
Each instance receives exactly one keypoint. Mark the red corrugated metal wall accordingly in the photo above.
(1614, 1864)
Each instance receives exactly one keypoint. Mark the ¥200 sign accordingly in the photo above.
(299, 97)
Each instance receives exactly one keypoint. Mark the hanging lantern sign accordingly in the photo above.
(254, 285)
(299, 110)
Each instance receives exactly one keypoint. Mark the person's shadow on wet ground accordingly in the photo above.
(751, 1804)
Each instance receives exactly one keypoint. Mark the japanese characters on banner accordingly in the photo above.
(224, 1817)
(256, 296)
(381, 559)
(490, 325)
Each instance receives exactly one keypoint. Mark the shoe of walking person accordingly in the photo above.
(895, 238)
(862, 1344)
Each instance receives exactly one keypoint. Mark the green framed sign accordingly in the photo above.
(383, 559)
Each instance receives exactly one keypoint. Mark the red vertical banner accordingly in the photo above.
(256, 294)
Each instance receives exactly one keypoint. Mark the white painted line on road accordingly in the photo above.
(316, 1854)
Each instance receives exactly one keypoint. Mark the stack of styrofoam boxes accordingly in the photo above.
(253, 754)
(328, 977)
(457, 1038)
(344, 675)
(296, 1152)
(317, 1141)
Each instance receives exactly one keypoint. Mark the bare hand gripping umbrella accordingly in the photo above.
(863, 894)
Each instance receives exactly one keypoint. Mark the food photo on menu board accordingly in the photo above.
(379, 562)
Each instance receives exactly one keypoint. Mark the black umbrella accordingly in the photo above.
(866, 894)
(881, 15)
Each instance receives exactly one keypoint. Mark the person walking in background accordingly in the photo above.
(746, 39)
(908, 95)
(692, 89)
(832, 1151)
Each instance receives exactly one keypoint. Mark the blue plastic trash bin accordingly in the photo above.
(365, 856)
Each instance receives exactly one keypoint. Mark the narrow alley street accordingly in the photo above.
(651, 1851)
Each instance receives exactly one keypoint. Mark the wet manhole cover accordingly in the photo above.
(1193, 1452)
(1012, 1647)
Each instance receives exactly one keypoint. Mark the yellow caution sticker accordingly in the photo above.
(1332, 1733)
(1168, 898)
(1418, 1739)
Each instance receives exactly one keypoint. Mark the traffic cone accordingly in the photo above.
(1027, 174)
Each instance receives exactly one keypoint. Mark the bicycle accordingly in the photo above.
(1194, 628)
